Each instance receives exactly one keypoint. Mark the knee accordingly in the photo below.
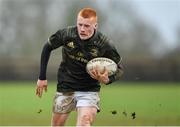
(57, 122)
(58, 119)
(86, 120)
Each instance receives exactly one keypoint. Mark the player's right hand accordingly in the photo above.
(41, 86)
(102, 77)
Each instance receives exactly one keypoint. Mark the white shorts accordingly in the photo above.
(66, 102)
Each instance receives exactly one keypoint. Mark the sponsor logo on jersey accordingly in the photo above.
(80, 54)
(78, 58)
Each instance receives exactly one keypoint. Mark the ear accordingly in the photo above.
(95, 26)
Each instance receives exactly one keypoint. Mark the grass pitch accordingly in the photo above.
(133, 104)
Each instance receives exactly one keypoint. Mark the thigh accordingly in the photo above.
(87, 107)
(63, 103)
(87, 99)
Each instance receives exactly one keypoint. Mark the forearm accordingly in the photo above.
(118, 73)
(44, 61)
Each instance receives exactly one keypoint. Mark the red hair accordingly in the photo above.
(88, 13)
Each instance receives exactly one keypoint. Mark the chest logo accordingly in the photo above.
(94, 52)
(70, 44)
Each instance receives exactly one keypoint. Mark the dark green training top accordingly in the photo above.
(72, 75)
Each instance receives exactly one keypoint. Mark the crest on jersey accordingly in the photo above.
(94, 52)
(70, 44)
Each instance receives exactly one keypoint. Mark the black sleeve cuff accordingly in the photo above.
(111, 79)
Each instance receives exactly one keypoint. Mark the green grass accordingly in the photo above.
(153, 103)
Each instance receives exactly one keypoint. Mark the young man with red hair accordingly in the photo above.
(76, 89)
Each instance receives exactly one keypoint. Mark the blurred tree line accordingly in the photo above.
(25, 26)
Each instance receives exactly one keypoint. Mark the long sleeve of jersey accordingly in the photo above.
(44, 61)
(118, 74)
(54, 42)
(112, 53)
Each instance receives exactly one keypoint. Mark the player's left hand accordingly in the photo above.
(102, 77)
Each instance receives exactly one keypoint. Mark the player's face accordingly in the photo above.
(86, 27)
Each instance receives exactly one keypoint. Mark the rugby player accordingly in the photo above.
(76, 89)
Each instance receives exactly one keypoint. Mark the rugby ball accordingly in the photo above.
(102, 63)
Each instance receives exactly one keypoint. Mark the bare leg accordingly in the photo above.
(86, 116)
(59, 119)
